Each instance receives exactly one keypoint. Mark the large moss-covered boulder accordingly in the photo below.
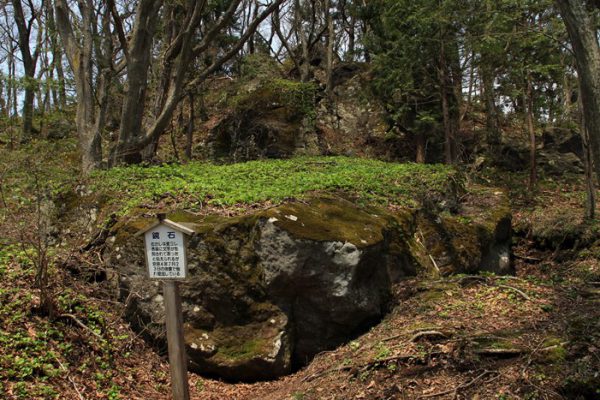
(269, 289)
(272, 289)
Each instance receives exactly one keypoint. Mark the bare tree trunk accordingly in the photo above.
(420, 145)
(528, 100)
(190, 129)
(12, 76)
(467, 104)
(2, 101)
(89, 118)
(330, 43)
(29, 65)
(138, 64)
(59, 87)
(350, 21)
(305, 64)
(582, 31)
(251, 17)
(443, 80)
(590, 187)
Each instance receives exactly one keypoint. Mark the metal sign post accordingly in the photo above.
(166, 260)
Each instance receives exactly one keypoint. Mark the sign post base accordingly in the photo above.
(176, 344)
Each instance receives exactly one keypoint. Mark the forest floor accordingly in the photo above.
(535, 335)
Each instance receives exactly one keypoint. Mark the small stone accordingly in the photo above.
(272, 321)
(196, 309)
(194, 346)
(292, 217)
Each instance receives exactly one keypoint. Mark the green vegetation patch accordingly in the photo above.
(199, 184)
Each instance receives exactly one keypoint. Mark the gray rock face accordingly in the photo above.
(332, 288)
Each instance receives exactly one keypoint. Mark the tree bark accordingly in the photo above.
(138, 64)
(190, 129)
(528, 100)
(582, 32)
(29, 66)
(590, 187)
(443, 82)
(305, 64)
(89, 118)
(420, 146)
(330, 45)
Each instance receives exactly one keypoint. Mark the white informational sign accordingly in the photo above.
(165, 252)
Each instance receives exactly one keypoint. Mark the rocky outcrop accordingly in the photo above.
(267, 116)
(266, 119)
(269, 290)
(352, 119)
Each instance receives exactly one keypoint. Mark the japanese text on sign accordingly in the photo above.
(165, 253)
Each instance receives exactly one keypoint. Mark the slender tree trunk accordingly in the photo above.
(2, 101)
(351, 39)
(420, 145)
(58, 88)
(13, 79)
(532, 140)
(330, 43)
(29, 66)
(251, 16)
(491, 111)
(138, 65)
(190, 129)
(467, 104)
(443, 81)
(590, 187)
(305, 64)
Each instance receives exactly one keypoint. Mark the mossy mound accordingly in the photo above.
(206, 188)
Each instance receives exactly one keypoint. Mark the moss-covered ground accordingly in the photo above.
(197, 184)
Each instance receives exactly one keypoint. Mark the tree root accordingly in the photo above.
(518, 291)
(495, 352)
(81, 324)
(458, 388)
(429, 335)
